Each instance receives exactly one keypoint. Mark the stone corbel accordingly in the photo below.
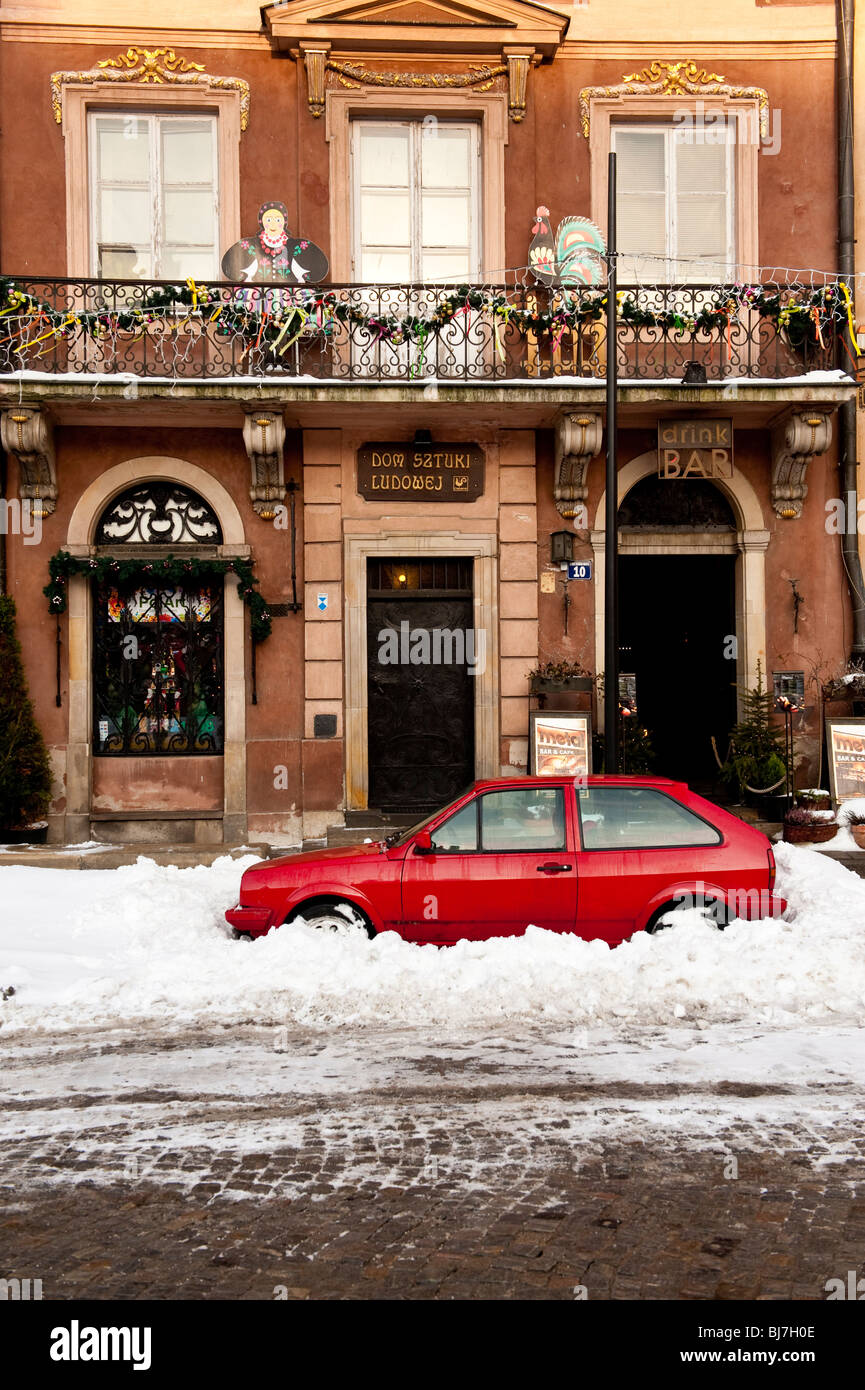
(264, 436)
(26, 432)
(315, 59)
(578, 439)
(519, 61)
(795, 441)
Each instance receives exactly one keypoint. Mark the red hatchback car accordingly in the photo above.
(602, 857)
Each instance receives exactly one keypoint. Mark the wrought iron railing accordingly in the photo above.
(410, 333)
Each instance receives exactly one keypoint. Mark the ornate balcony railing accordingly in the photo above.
(409, 333)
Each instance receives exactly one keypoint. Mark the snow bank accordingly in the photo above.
(149, 943)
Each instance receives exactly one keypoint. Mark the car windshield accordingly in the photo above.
(400, 837)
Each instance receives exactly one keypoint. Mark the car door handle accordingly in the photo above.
(554, 868)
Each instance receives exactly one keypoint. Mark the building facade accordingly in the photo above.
(300, 525)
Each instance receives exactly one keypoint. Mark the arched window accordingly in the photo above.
(157, 638)
(675, 504)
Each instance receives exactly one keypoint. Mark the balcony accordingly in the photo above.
(356, 334)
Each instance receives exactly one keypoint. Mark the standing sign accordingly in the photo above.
(846, 742)
(696, 448)
(560, 742)
(425, 472)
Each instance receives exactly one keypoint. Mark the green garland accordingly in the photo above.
(170, 570)
(273, 318)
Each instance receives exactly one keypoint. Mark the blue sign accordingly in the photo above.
(581, 570)
(322, 602)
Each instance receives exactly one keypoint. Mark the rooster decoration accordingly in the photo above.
(574, 256)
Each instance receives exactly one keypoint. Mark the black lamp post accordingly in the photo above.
(611, 520)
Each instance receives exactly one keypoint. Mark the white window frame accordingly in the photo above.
(685, 270)
(415, 126)
(154, 120)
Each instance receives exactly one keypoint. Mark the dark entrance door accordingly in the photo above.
(420, 654)
(676, 619)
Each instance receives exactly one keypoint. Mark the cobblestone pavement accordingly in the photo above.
(377, 1165)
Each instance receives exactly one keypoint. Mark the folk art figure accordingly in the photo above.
(275, 253)
(574, 256)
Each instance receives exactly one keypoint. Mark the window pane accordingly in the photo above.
(637, 818)
(445, 219)
(187, 151)
(384, 156)
(123, 149)
(531, 818)
(640, 165)
(125, 263)
(385, 219)
(445, 156)
(446, 265)
(702, 168)
(703, 226)
(459, 833)
(641, 223)
(385, 267)
(188, 217)
(179, 263)
(126, 217)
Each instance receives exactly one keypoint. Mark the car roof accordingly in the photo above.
(621, 780)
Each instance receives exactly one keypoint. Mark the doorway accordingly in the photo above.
(421, 665)
(676, 634)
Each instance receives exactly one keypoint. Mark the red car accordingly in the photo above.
(601, 857)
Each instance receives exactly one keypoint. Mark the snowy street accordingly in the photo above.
(184, 1115)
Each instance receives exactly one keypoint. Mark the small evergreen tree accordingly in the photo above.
(25, 772)
(755, 759)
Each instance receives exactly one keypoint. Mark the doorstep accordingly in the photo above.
(108, 856)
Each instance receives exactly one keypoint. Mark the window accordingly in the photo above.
(154, 196)
(459, 833)
(639, 818)
(416, 204)
(675, 201)
(157, 647)
(526, 819)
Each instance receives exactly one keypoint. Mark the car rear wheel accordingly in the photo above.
(334, 915)
(712, 911)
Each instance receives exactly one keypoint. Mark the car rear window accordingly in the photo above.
(639, 818)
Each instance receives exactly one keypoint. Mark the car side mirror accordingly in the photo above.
(423, 842)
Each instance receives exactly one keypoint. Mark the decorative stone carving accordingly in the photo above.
(27, 433)
(684, 78)
(578, 439)
(151, 65)
(264, 436)
(518, 76)
(795, 441)
(315, 60)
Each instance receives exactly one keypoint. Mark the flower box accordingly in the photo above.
(809, 834)
(546, 685)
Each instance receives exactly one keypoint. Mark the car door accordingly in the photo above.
(635, 843)
(505, 860)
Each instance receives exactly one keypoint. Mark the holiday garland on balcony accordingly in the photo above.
(169, 571)
(273, 319)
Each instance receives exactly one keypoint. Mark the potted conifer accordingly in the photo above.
(25, 772)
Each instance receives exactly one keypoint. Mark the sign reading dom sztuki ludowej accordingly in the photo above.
(411, 472)
(696, 448)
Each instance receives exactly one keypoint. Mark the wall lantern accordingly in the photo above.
(562, 547)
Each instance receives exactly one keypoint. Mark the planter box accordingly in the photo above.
(858, 833)
(541, 685)
(31, 835)
(809, 834)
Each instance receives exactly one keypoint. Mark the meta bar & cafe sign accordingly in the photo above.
(698, 448)
(420, 472)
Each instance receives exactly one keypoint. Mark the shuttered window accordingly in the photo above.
(415, 201)
(675, 202)
(154, 196)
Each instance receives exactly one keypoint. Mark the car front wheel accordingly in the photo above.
(335, 915)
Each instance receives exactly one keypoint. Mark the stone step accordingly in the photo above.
(107, 856)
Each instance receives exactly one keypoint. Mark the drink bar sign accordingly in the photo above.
(425, 472)
(697, 448)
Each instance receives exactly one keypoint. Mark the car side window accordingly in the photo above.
(459, 833)
(530, 818)
(639, 818)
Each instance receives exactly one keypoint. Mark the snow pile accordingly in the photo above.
(150, 943)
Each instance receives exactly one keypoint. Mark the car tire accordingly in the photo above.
(714, 911)
(240, 935)
(336, 915)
